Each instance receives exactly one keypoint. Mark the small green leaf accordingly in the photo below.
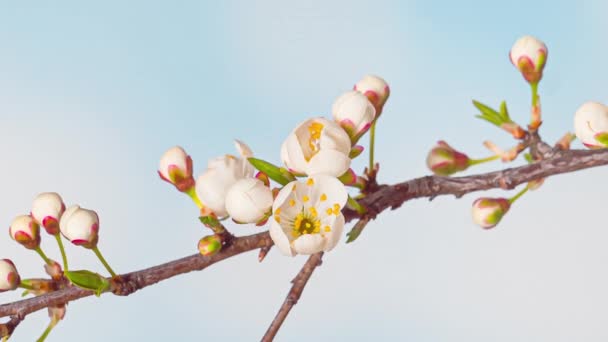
(489, 114)
(493, 121)
(277, 174)
(88, 280)
(356, 231)
(504, 112)
(528, 158)
(210, 221)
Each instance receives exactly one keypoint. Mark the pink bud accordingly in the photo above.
(210, 245)
(443, 160)
(487, 212)
(376, 89)
(176, 168)
(25, 231)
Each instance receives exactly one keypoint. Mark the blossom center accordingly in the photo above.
(314, 131)
(306, 223)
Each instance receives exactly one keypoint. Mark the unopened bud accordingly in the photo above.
(443, 160)
(376, 89)
(591, 124)
(210, 245)
(487, 212)
(47, 209)
(176, 168)
(529, 56)
(9, 277)
(80, 226)
(25, 231)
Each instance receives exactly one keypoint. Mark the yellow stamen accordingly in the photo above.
(329, 211)
(315, 134)
(278, 219)
(327, 229)
(313, 212)
(305, 198)
(278, 211)
(336, 209)
(323, 197)
(292, 203)
(310, 182)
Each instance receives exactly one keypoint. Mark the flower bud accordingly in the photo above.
(443, 160)
(47, 209)
(9, 277)
(25, 231)
(80, 226)
(487, 212)
(529, 55)
(591, 124)
(210, 245)
(354, 112)
(54, 270)
(176, 168)
(376, 89)
(249, 201)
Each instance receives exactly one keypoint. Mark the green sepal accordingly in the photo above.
(88, 280)
(504, 112)
(528, 158)
(210, 221)
(602, 138)
(277, 174)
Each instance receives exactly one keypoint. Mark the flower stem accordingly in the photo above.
(372, 138)
(192, 193)
(103, 261)
(483, 160)
(356, 206)
(518, 195)
(47, 331)
(534, 87)
(26, 285)
(43, 256)
(62, 250)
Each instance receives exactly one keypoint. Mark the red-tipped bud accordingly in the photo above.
(443, 160)
(26, 231)
(47, 209)
(376, 89)
(529, 56)
(80, 226)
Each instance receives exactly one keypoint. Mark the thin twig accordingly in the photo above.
(299, 282)
(6, 329)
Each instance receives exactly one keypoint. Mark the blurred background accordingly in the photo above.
(91, 95)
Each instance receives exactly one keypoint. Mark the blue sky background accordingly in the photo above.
(91, 94)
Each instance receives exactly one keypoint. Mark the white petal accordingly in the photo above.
(283, 195)
(329, 162)
(335, 234)
(243, 149)
(355, 107)
(590, 118)
(334, 191)
(292, 154)
(280, 239)
(47, 204)
(334, 137)
(248, 200)
(309, 244)
(212, 187)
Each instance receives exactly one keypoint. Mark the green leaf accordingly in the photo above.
(488, 114)
(88, 280)
(528, 158)
(277, 174)
(504, 112)
(356, 231)
(210, 221)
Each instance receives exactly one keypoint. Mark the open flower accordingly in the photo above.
(248, 201)
(487, 212)
(307, 216)
(591, 124)
(47, 209)
(443, 160)
(317, 146)
(80, 226)
(529, 56)
(175, 167)
(9, 277)
(354, 112)
(221, 174)
(376, 89)
(26, 231)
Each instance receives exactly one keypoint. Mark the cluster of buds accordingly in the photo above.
(306, 215)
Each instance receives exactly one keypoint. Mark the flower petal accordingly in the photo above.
(280, 239)
(335, 234)
(309, 244)
(329, 162)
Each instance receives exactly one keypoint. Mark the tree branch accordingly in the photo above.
(384, 197)
(299, 282)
